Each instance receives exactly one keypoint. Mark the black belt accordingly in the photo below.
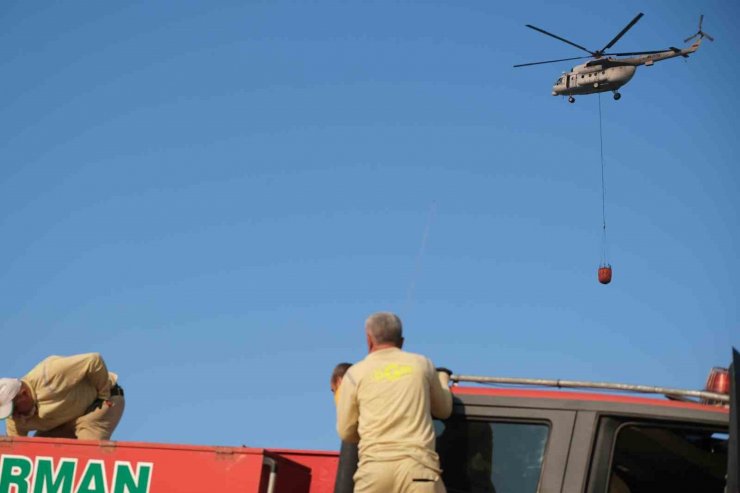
(116, 390)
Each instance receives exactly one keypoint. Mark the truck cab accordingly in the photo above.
(554, 441)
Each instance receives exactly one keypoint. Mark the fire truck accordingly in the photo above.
(519, 436)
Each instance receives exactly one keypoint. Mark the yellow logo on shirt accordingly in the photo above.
(392, 372)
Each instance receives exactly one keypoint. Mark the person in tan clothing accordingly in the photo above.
(347, 466)
(386, 403)
(63, 397)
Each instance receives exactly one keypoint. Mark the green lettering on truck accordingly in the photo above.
(93, 479)
(46, 480)
(124, 480)
(15, 472)
(19, 474)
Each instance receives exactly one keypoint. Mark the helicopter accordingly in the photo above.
(605, 72)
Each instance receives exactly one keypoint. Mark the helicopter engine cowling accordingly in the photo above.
(619, 76)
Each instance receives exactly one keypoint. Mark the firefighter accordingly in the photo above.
(386, 403)
(348, 451)
(63, 397)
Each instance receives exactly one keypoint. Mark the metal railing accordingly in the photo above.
(677, 394)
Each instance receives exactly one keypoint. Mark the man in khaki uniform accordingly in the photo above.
(386, 402)
(63, 397)
(347, 466)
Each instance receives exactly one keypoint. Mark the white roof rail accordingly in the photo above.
(677, 394)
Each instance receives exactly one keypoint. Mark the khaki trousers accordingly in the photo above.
(399, 476)
(96, 425)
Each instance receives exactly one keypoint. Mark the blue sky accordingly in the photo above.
(214, 195)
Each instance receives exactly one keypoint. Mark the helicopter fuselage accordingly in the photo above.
(591, 78)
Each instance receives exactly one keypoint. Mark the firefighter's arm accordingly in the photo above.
(348, 411)
(12, 430)
(440, 395)
(90, 367)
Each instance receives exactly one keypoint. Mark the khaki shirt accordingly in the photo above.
(63, 388)
(386, 401)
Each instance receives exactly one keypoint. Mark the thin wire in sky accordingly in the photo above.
(419, 257)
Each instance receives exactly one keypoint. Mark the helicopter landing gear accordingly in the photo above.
(571, 99)
(617, 96)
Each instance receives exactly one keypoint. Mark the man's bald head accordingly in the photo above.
(384, 329)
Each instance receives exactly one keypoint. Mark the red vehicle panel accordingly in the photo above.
(70, 466)
(323, 466)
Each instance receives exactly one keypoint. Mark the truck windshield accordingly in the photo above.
(491, 456)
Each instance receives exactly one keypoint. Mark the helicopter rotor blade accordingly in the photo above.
(622, 32)
(561, 39)
(551, 61)
(701, 20)
(699, 33)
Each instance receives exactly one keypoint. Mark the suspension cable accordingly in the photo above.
(603, 187)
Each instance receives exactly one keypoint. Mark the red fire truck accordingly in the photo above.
(533, 437)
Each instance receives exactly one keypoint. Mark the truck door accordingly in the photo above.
(504, 450)
(643, 455)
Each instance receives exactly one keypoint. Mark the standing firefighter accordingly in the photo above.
(348, 451)
(387, 402)
(63, 397)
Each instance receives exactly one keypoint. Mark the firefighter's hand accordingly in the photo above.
(444, 374)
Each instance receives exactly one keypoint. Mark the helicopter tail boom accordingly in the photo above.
(649, 58)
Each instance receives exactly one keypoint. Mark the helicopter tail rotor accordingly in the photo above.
(699, 33)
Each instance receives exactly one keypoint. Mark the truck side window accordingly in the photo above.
(654, 458)
(491, 456)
